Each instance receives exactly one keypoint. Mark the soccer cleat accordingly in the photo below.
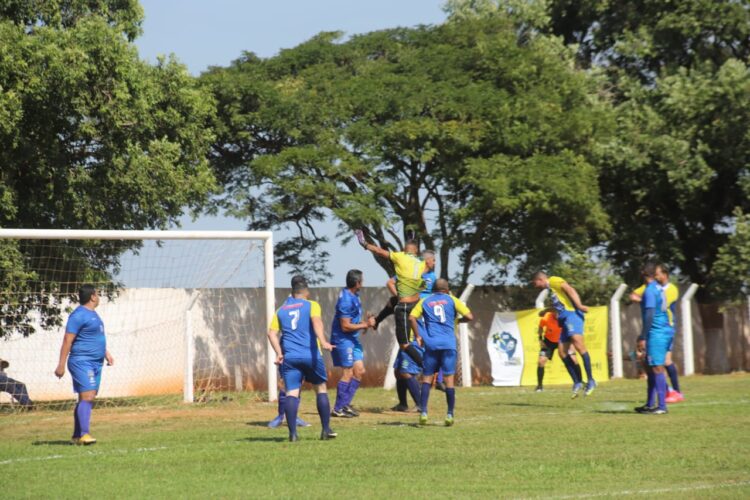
(657, 411)
(361, 238)
(590, 386)
(351, 411)
(449, 420)
(293, 438)
(674, 397)
(325, 435)
(302, 423)
(644, 409)
(276, 422)
(576, 389)
(341, 413)
(86, 440)
(539, 388)
(440, 386)
(423, 419)
(400, 407)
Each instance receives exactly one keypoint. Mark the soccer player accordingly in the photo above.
(407, 371)
(428, 278)
(570, 314)
(441, 312)
(298, 354)
(84, 347)
(659, 334)
(16, 389)
(409, 271)
(348, 323)
(549, 339)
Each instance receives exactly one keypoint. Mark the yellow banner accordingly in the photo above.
(595, 336)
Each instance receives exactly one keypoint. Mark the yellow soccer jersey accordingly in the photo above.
(639, 291)
(560, 299)
(409, 271)
(671, 294)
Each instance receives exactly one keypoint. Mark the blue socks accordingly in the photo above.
(424, 397)
(282, 400)
(413, 386)
(571, 369)
(650, 388)
(291, 405)
(76, 423)
(351, 391)
(661, 390)
(672, 371)
(450, 397)
(587, 365)
(324, 410)
(83, 414)
(341, 392)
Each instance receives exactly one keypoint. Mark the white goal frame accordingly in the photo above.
(268, 265)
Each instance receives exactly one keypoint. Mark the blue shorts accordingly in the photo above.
(86, 373)
(347, 351)
(295, 371)
(571, 323)
(658, 344)
(405, 364)
(440, 359)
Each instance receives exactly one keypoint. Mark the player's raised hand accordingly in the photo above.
(361, 237)
(60, 371)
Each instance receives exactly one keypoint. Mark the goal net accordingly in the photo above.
(185, 312)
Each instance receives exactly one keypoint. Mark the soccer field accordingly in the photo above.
(507, 442)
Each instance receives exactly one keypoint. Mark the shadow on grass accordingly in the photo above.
(530, 405)
(260, 423)
(399, 424)
(260, 439)
(616, 412)
(58, 442)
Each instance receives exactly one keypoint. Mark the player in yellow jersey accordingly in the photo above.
(409, 270)
(570, 314)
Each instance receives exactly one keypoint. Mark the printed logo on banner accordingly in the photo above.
(507, 343)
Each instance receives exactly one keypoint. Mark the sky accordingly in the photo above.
(203, 33)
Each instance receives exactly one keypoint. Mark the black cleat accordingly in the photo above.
(341, 413)
(293, 438)
(440, 386)
(539, 388)
(644, 409)
(400, 407)
(325, 435)
(351, 411)
(657, 411)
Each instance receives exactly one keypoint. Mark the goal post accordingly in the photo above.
(225, 264)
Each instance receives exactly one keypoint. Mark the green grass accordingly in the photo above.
(507, 442)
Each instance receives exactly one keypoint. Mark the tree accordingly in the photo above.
(90, 137)
(456, 132)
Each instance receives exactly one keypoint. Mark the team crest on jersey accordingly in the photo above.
(507, 343)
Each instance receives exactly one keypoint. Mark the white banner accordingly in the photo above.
(505, 347)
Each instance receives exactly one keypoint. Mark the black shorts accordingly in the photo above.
(401, 313)
(549, 349)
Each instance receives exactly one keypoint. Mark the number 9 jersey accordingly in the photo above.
(294, 320)
(440, 312)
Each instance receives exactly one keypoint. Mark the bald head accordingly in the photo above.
(442, 285)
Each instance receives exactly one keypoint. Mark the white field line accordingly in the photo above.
(654, 491)
(89, 453)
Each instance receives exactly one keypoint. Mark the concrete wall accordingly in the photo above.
(145, 331)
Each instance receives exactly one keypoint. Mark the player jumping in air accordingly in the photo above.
(84, 347)
(549, 340)
(409, 271)
(298, 354)
(428, 277)
(570, 314)
(440, 312)
(348, 323)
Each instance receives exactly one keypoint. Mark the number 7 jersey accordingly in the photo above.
(294, 320)
(440, 312)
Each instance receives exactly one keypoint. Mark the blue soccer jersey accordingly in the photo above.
(294, 321)
(440, 312)
(428, 279)
(90, 342)
(347, 306)
(653, 298)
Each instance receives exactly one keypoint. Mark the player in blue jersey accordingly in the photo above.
(671, 294)
(571, 315)
(348, 323)
(297, 352)
(407, 372)
(440, 312)
(84, 348)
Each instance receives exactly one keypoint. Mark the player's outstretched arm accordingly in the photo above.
(273, 338)
(369, 246)
(574, 297)
(317, 324)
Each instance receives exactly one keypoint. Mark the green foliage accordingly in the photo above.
(413, 129)
(731, 272)
(91, 137)
(591, 276)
